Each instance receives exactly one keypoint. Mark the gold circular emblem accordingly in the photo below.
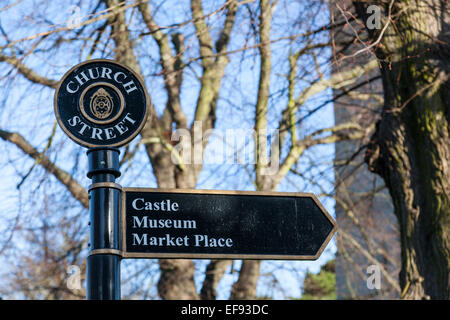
(101, 103)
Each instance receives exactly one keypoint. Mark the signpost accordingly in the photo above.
(101, 104)
(212, 224)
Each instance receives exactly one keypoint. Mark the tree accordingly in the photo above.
(188, 62)
(321, 286)
(368, 231)
(410, 148)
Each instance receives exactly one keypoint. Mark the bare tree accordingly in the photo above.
(410, 147)
(368, 231)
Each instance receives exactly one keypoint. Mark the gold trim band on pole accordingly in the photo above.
(106, 251)
(105, 185)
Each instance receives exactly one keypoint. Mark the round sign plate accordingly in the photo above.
(101, 103)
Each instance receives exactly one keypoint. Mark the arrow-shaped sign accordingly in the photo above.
(212, 224)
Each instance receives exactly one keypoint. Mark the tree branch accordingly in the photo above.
(172, 80)
(336, 81)
(117, 7)
(224, 39)
(72, 185)
(28, 72)
(263, 92)
(203, 35)
(214, 272)
(213, 65)
(344, 131)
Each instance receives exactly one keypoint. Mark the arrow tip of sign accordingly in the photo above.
(330, 219)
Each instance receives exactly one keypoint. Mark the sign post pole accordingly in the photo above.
(102, 105)
(103, 263)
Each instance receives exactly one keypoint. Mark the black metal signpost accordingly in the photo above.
(198, 224)
(102, 105)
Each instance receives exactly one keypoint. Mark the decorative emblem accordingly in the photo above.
(101, 104)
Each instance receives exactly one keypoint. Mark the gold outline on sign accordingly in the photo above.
(147, 114)
(122, 103)
(156, 255)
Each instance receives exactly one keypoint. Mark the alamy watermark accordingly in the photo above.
(373, 281)
(232, 146)
(374, 19)
(74, 279)
(75, 17)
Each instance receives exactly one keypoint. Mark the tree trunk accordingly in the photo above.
(214, 273)
(410, 149)
(245, 287)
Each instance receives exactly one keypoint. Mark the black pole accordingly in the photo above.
(103, 263)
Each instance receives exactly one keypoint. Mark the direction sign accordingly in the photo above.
(101, 103)
(211, 224)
